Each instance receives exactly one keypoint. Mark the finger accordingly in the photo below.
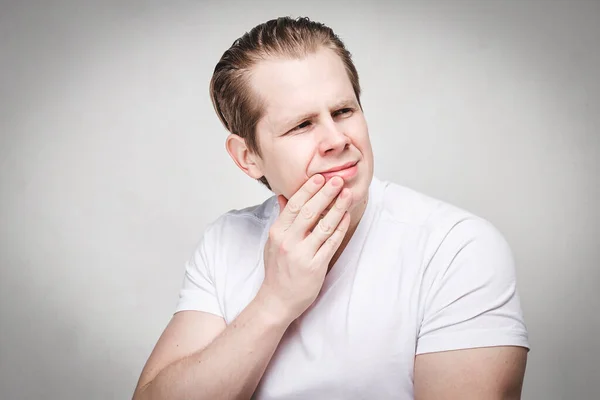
(282, 201)
(297, 201)
(312, 210)
(333, 242)
(328, 224)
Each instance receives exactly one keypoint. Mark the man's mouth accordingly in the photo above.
(345, 171)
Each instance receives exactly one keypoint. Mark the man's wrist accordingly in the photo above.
(271, 311)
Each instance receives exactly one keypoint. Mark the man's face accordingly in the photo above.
(312, 124)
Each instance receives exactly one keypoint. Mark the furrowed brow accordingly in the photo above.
(344, 104)
(290, 122)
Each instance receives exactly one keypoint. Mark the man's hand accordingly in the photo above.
(199, 355)
(297, 253)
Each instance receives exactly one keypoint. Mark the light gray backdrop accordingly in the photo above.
(112, 162)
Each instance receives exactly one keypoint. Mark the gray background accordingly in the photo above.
(112, 162)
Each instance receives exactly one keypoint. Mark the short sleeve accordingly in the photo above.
(471, 299)
(198, 290)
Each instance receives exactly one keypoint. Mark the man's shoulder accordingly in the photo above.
(245, 223)
(260, 213)
(409, 206)
(436, 221)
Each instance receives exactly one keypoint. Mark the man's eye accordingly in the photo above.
(342, 111)
(303, 125)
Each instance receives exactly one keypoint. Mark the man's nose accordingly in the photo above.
(333, 138)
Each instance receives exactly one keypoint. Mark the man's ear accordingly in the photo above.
(243, 157)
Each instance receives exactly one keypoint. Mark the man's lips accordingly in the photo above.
(340, 167)
(346, 172)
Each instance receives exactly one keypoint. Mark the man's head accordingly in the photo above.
(289, 94)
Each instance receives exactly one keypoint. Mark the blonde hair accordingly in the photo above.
(236, 106)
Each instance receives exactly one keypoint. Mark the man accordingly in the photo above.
(341, 286)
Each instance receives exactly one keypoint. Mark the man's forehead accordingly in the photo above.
(287, 101)
(289, 88)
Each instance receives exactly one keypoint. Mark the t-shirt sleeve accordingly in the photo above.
(472, 299)
(198, 291)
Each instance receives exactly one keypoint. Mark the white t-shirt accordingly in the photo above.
(419, 275)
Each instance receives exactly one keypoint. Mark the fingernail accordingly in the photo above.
(318, 179)
(336, 181)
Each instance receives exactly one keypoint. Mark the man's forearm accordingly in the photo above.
(230, 367)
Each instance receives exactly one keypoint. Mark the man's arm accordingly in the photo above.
(490, 373)
(296, 257)
(229, 367)
(472, 341)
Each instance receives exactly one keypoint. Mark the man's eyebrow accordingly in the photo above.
(344, 103)
(293, 121)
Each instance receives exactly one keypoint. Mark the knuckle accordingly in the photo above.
(273, 234)
(332, 241)
(340, 206)
(284, 248)
(307, 212)
(325, 226)
(307, 189)
(293, 206)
